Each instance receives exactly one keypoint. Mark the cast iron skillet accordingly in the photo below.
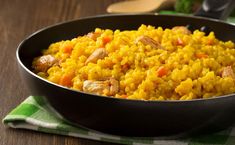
(130, 117)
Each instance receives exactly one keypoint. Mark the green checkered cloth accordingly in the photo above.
(34, 114)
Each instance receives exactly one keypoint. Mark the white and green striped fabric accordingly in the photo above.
(33, 114)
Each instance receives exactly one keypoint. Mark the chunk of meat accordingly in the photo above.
(96, 87)
(43, 63)
(114, 86)
(146, 40)
(228, 72)
(93, 35)
(107, 87)
(97, 54)
(181, 29)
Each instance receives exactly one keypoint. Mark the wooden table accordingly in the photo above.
(18, 19)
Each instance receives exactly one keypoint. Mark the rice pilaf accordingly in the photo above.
(144, 64)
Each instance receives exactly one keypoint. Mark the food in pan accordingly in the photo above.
(144, 64)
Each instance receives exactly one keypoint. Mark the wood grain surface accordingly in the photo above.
(18, 19)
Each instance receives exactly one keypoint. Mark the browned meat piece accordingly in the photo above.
(182, 29)
(107, 87)
(114, 86)
(228, 72)
(97, 54)
(146, 40)
(43, 63)
(93, 35)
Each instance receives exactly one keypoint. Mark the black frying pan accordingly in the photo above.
(130, 117)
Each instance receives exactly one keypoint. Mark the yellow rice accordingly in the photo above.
(188, 77)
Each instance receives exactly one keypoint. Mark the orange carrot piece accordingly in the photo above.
(161, 71)
(210, 41)
(66, 80)
(124, 96)
(201, 55)
(67, 48)
(179, 41)
(106, 40)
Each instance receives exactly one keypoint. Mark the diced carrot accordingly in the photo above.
(67, 48)
(108, 63)
(201, 55)
(66, 80)
(179, 41)
(124, 96)
(161, 71)
(210, 41)
(106, 40)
